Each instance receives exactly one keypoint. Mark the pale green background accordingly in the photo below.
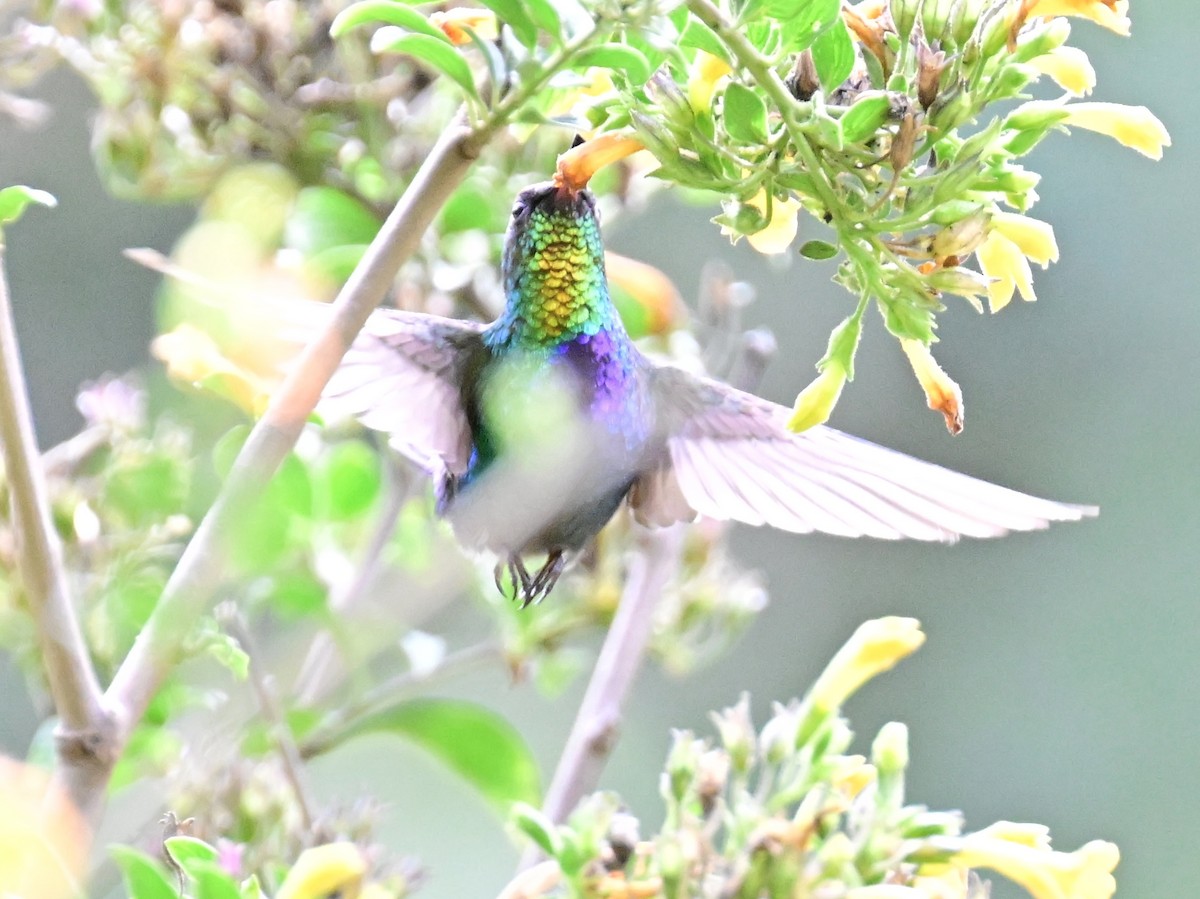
(1061, 677)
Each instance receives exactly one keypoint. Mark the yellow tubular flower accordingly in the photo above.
(707, 74)
(1003, 262)
(876, 647)
(1110, 14)
(941, 391)
(1069, 67)
(1033, 237)
(816, 401)
(323, 870)
(781, 228)
(1132, 126)
(1085, 873)
(193, 357)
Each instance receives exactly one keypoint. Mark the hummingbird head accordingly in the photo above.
(554, 279)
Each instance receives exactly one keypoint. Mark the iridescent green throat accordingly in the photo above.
(554, 278)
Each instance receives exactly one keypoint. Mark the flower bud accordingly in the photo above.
(889, 751)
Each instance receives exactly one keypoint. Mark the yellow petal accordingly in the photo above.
(947, 882)
(324, 870)
(781, 227)
(706, 75)
(1110, 14)
(1132, 126)
(853, 775)
(43, 838)
(1085, 873)
(1036, 836)
(1069, 67)
(941, 391)
(816, 401)
(875, 647)
(1003, 262)
(1033, 237)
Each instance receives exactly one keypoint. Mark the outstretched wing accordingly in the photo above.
(403, 376)
(729, 455)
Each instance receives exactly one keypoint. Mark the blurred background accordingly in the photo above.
(1060, 680)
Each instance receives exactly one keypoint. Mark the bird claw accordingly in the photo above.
(530, 588)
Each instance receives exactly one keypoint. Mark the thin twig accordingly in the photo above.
(200, 569)
(83, 736)
(594, 732)
(339, 723)
(268, 702)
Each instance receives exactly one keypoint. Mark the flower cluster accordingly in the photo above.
(786, 810)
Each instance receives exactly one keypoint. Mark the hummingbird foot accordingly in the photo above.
(547, 577)
(518, 578)
(511, 574)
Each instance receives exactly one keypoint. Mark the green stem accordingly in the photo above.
(768, 79)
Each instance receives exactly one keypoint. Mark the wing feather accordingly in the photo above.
(729, 455)
(403, 376)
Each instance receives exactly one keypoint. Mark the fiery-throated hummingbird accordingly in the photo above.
(538, 426)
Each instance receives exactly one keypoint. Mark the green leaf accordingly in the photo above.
(818, 249)
(213, 883)
(349, 478)
(802, 21)
(863, 119)
(513, 14)
(546, 17)
(389, 12)
(16, 199)
(144, 877)
(325, 218)
(473, 207)
(531, 822)
(833, 55)
(744, 114)
(701, 37)
(229, 653)
(474, 742)
(189, 851)
(337, 263)
(438, 53)
(620, 57)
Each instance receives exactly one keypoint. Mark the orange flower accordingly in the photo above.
(454, 23)
(577, 166)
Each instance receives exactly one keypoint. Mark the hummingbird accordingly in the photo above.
(538, 426)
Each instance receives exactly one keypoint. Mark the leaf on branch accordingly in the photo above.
(436, 51)
(16, 199)
(620, 57)
(373, 12)
(474, 742)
